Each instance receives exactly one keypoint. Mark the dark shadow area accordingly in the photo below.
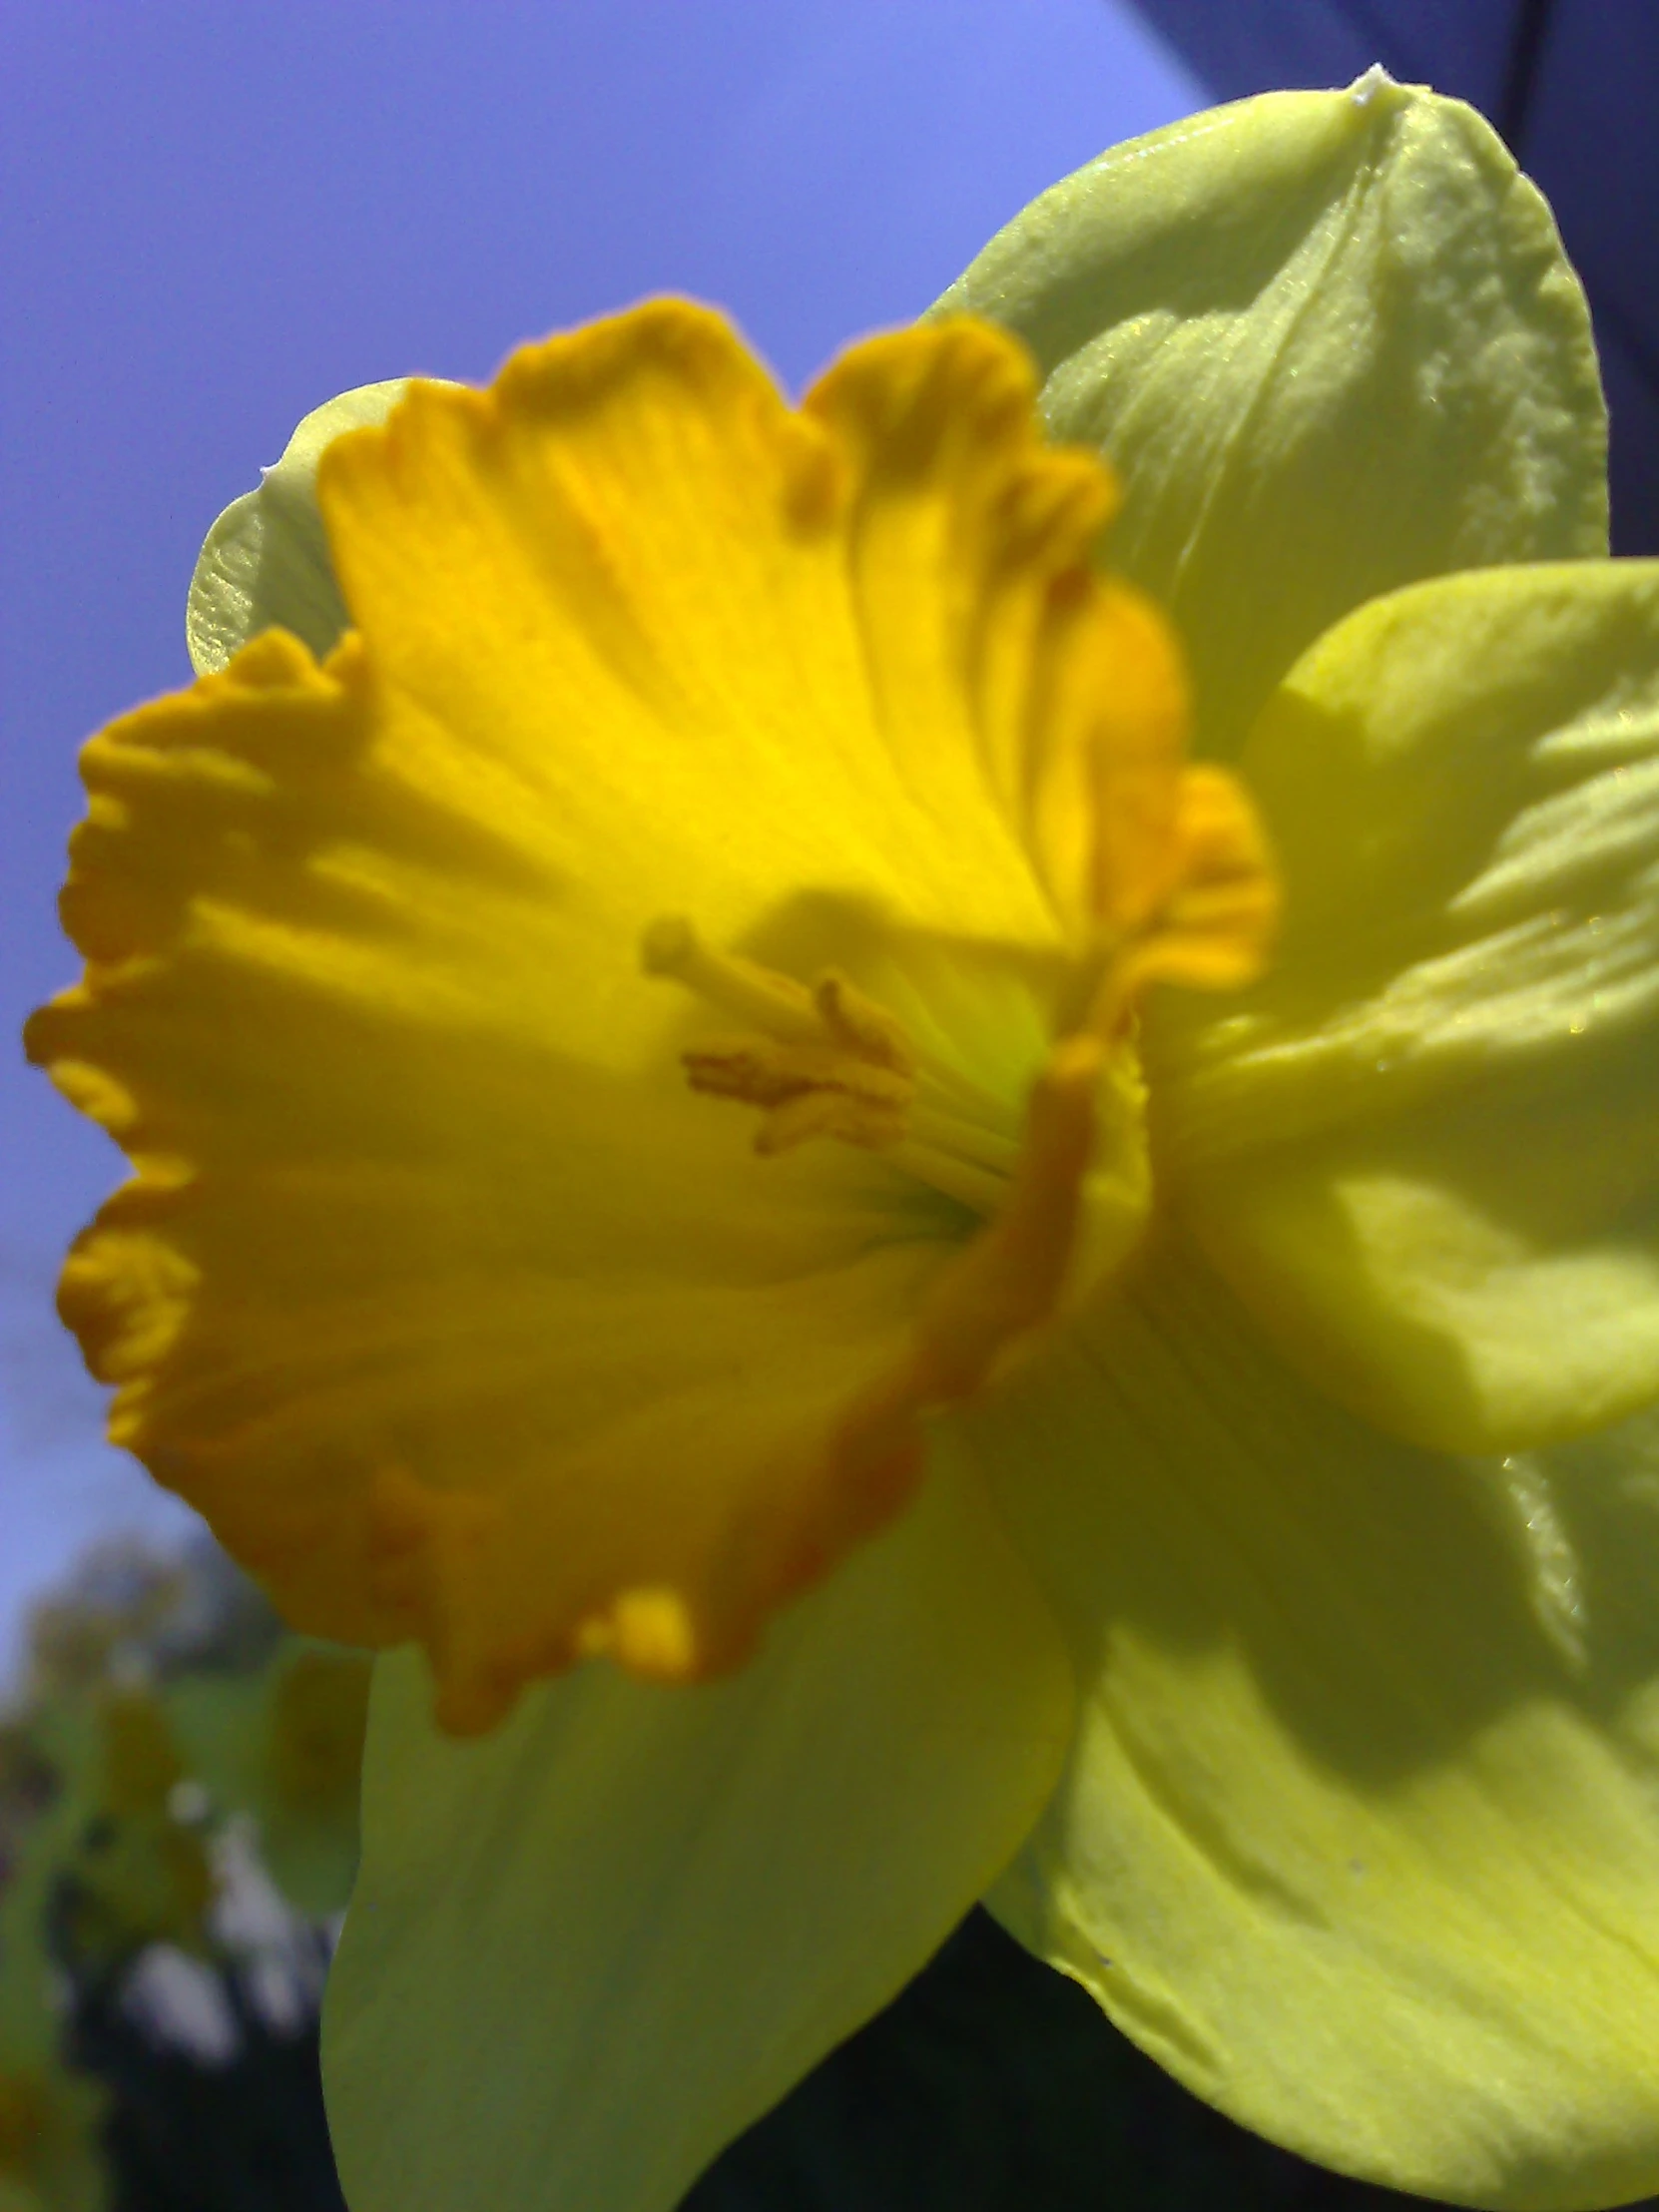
(993, 2084)
(182, 2137)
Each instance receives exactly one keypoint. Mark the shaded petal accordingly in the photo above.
(1332, 343)
(586, 1952)
(1423, 1149)
(1356, 1841)
(265, 563)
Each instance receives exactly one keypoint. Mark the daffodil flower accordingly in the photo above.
(725, 1158)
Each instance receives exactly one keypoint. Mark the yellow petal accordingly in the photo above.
(1424, 1148)
(1332, 343)
(1359, 1833)
(437, 1291)
(715, 653)
(585, 1952)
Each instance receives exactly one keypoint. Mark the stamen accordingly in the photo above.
(829, 1113)
(762, 1073)
(981, 1190)
(829, 1061)
(861, 1025)
(989, 1149)
(648, 1633)
(777, 1004)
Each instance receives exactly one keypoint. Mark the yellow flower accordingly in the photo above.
(661, 1129)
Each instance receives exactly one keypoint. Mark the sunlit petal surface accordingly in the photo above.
(1332, 343)
(1424, 1148)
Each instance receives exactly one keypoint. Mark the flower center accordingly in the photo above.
(825, 1060)
(1063, 1198)
(1190, 897)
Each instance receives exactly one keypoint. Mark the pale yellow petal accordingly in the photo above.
(587, 1951)
(1359, 1833)
(1332, 343)
(265, 563)
(1424, 1148)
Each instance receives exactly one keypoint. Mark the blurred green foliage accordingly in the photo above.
(178, 1829)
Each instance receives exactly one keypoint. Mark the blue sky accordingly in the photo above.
(211, 218)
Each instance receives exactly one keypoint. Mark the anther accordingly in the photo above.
(830, 1062)
(764, 1073)
(830, 1113)
(858, 1023)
